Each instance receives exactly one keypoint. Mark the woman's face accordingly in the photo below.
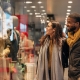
(49, 29)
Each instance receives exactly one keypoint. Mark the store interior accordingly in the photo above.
(31, 16)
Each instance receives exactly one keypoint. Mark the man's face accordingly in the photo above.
(71, 24)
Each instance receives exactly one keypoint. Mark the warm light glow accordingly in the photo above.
(43, 10)
(68, 10)
(41, 6)
(69, 6)
(33, 6)
(68, 13)
(28, 10)
(70, 2)
(65, 22)
(44, 13)
(28, 2)
(47, 21)
(38, 15)
(39, 2)
(30, 13)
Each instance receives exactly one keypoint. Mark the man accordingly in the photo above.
(73, 40)
(8, 43)
(15, 42)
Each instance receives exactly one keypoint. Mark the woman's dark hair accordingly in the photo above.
(42, 39)
(58, 33)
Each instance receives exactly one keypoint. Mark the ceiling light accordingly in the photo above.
(43, 10)
(69, 6)
(42, 21)
(31, 13)
(41, 6)
(38, 15)
(68, 10)
(39, 2)
(65, 22)
(70, 2)
(28, 10)
(33, 6)
(44, 13)
(28, 2)
(67, 13)
(47, 21)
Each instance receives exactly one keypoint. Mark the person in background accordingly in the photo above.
(8, 43)
(15, 42)
(26, 46)
(73, 40)
(50, 66)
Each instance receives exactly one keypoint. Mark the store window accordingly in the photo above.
(6, 19)
(23, 27)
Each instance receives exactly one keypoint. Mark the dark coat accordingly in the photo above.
(65, 53)
(15, 44)
(9, 43)
(74, 60)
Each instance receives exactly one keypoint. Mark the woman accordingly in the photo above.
(50, 56)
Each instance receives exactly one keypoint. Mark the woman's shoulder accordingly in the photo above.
(64, 40)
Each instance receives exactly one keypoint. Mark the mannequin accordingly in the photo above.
(7, 21)
(4, 8)
(15, 21)
(16, 37)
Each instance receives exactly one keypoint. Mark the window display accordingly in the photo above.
(6, 20)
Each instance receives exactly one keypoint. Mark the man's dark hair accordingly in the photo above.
(75, 16)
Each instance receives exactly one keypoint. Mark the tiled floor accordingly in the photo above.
(66, 74)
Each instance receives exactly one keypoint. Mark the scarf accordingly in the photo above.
(50, 53)
(72, 38)
(56, 63)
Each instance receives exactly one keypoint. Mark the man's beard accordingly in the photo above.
(72, 29)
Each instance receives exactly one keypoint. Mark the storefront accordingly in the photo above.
(15, 62)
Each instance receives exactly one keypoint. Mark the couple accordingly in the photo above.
(55, 49)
